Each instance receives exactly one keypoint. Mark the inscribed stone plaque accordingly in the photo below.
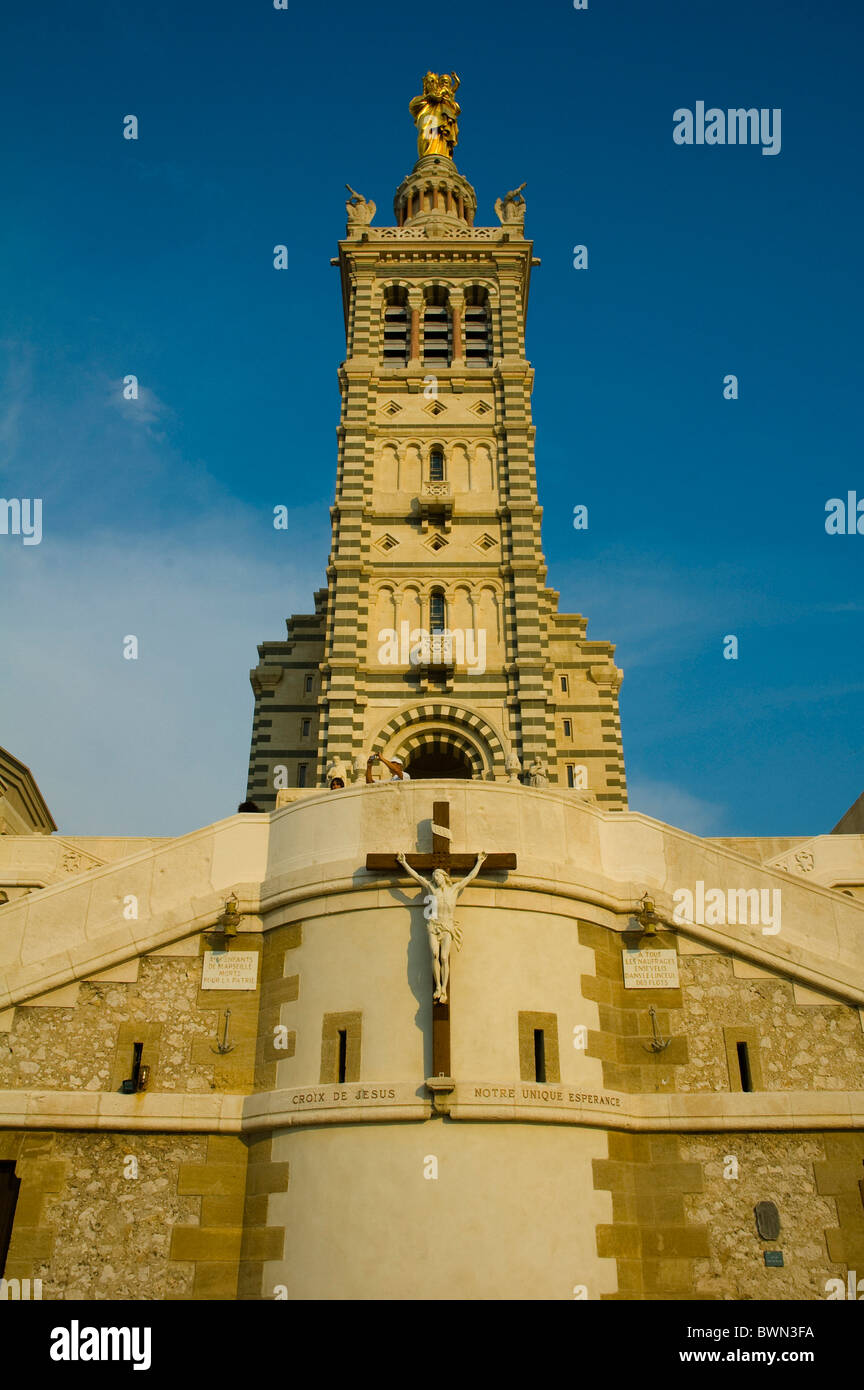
(230, 970)
(650, 969)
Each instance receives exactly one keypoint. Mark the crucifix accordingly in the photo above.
(440, 900)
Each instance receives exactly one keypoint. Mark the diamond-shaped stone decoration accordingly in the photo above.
(386, 543)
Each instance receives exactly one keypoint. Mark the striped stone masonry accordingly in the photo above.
(543, 692)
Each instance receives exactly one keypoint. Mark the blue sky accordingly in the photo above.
(154, 257)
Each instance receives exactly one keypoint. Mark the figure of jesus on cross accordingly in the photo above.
(440, 913)
(440, 910)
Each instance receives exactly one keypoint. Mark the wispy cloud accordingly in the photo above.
(145, 410)
(137, 540)
(158, 745)
(671, 804)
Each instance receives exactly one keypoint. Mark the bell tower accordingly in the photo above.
(437, 639)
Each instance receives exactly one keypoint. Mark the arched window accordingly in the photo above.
(436, 464)
(437, 611)
(437, 328)
(478, 327)
(397, 332)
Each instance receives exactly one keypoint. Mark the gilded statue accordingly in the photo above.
(436, 113)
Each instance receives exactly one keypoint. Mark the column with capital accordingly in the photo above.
(415, 311)
(457, 304)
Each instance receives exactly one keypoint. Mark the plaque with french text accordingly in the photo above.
(230, 970)
(650, 969)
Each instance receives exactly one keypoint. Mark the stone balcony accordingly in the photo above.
(436, 503)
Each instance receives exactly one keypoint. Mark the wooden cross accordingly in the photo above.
(455, 864)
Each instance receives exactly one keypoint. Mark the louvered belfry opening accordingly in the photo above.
(437, 328)
(396, 327)
(478, 327)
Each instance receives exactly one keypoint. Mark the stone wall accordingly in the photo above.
(779, 1168)
(140, 1216)
(92, 1226)
(623, 1038)
(654, 1239)
(87, 1044)
(801, 1046)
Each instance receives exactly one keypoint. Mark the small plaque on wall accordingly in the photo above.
(230, 970)
(650, 969)
(774, 1258)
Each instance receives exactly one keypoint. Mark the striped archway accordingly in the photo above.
(459, 731)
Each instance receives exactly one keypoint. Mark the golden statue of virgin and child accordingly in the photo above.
(436, 113)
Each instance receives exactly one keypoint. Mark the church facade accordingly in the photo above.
(481, 1033)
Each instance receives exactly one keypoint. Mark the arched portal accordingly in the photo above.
(443, 739)
(438, 757)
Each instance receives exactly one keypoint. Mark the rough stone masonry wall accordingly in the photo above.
(88, 1230)
(133, 1216)
(803, 1047)
(88, 1046)
(794, 1172)
(682, 1229)
(87, 1224)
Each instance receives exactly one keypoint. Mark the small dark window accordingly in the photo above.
(568, 728)
(539, 1055)
(565, 685)
(9, 1185)
(744, 1066)
(571, 774)
(436, 466)
(340, 1047)
(305, 727)
(309, 685)
(301, 774)
(437, 614)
